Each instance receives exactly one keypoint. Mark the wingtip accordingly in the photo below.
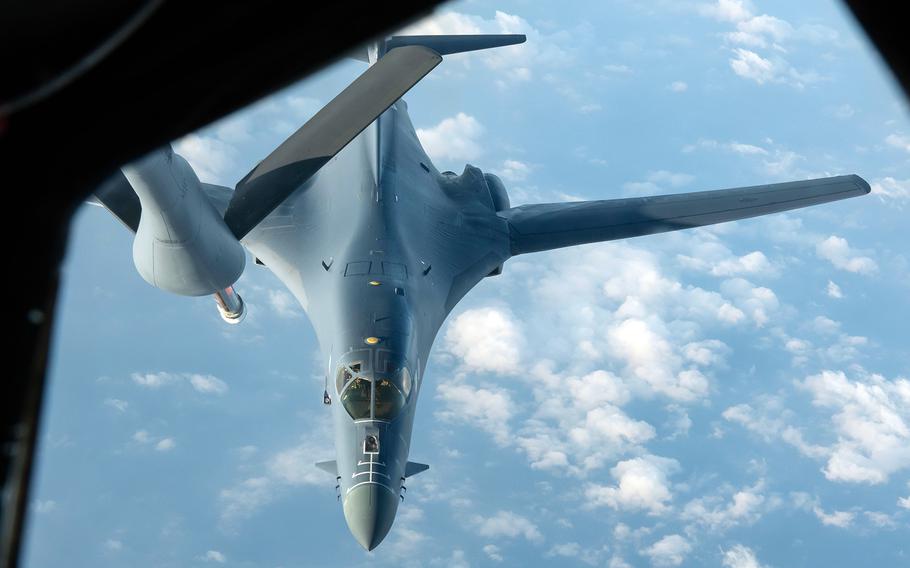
(862, 184)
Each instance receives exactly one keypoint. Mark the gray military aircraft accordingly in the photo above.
(378, 247)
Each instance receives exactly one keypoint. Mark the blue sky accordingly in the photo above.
(732, 396)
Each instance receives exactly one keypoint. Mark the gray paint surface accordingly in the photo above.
(379, 244)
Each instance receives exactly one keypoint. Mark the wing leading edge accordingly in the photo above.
(546, 226)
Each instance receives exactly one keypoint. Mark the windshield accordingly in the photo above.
(355, 379)
(356, 399)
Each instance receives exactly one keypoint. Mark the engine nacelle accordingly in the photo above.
(182, 244)
(498, 192)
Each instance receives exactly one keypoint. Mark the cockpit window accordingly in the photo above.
(373, 384)
(389, 400)
(356, 398)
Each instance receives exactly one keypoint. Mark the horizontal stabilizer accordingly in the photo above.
(413, 468)
(448, 44)
(328, 467)
(299, 157)
(548, 226)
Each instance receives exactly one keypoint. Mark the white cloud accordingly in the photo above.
(871, 420)
(838, 252)
(889, 188)
(284, 304)
(758, 302)
(514, 170)
(641, 486)
(656, 181)
(744, 507)
(834, 291)
(750, 65)
(165, 445)
(840, 519)
(209, 156)
(454, 138)
(650, 358)
(154, 380)
(727, 10)
(880, 520)
(747, 149)
(506, 524)
(113, 545)
(899, 141)
(486, 339)
(142, 437)
(487, 409)
(740, 556)
(844, 111)
(759, 32)
(904, 502)
(678, 86)
(568, 550)
(754, 262)
(284, 470)
(214, 556)
(671, 550)
(117, 404)
(493, 553)
(205, 384)
(511, 64)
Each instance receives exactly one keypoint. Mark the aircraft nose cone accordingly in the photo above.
(369, 510)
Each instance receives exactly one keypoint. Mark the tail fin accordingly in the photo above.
(441, 44)
(448, 44)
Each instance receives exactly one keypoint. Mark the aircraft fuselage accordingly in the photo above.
(378, 247)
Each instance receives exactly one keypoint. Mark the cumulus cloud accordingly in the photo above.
(281, 472)
(165, 445)
(740, 556)
(678, 86)
(488, 409)
(658, 182)
(486, 339)
(758, 302)
(454, 138)
(214, 556)
(751, 65)
(671, 550)
(205, 384)
(834, 291)
(871, 420)
(744, 507)
(514, 170)
(899, 141)
(760, 32)
(284, 304)
(506, 524)
(641, 486)
(838, 252)
(493, 553)
(117, 404)
(727, 264)
(891, 189)
(840, 519)
(512, 64)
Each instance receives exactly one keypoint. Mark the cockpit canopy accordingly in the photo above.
(373, 384)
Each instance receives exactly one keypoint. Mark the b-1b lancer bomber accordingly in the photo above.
(378, 247)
